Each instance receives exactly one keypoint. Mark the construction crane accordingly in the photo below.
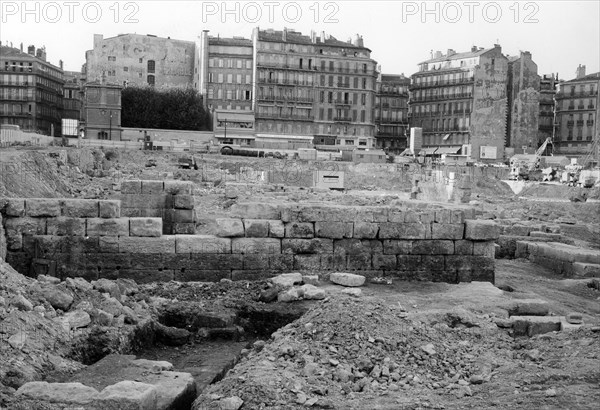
(522, 164)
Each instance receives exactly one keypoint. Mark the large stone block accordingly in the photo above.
(281, 262)
(434, 263)
(408, 263)
(276, 229)
(299, 230)
(164, 244)
(107, 227)
(433, 247)
(481, 230)
(458, 216)
(516, 230)
(486, 249)
(151, 227)
(183, 201)
(253, 210)
(360, 261)
(384, 262)
(147, 201)
(180, 229)
(153, 187)
(70, 395)
(179, 187)
(229, 228)
(447, 231)
(335, 262)
(109, 209)
(255, 262)
(397, 247)
(307, 262)
(108, 244)
(37, 207)
(394, 230)
(357, 246)
(463, 247)
(535, 325)
(14, 207)
(334, 230)
(365, 230)
(305, 246)
(256, 245)
(256, 228)
(178, 215)
(371, 214)
(80, 208)
(216, 261)
(396, 215)
(127, 395)
(131, 187)
(442, 216)
(65, 226)
(202, 244)
(17, 227)
(49, 245)
(347, 279)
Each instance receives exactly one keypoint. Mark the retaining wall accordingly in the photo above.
(561, 258)
(91, 238)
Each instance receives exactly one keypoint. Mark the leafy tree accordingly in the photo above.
(174, 109)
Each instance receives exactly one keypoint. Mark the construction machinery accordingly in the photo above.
(522, 165)
(585, 172)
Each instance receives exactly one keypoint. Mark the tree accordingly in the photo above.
(174, 109)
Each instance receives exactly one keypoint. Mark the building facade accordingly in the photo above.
(460, 102)
(224, 75)
(73, 103)
(142, 60)
(548, 83)
(314, 86)
(577, 113)
(102, 111)
(523, 93)
(31, 90)
(391, 112)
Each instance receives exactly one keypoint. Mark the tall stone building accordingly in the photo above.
(314, 86)
(577, 113)
(523, 93)
(135, 59)
(460, 102)
(391, 112)
(103, 110)
(548, 83)
(31, 90)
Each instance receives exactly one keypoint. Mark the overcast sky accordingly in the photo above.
(559, 34)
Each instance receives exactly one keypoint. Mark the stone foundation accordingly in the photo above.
(90, 238)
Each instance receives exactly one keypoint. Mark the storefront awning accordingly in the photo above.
(234, 117)
(448, 150)
(428, 151)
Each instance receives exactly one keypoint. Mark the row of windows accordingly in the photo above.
(342, 98)
(311, 129)
(393, 89)
(342, 115)
(238, 95)
(19, 66)
(230, 63)
(284, 61)
(581, 104)
(389, 116)
(448, 78)
(443, 92)
(582, 88)
(309, 49)
(8, 93)
(229, 78)
(391, 102)
(345, 82)
(445, 108)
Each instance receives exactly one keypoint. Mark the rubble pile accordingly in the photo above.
(340, 352)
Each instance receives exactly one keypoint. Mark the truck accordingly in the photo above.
(187, 162)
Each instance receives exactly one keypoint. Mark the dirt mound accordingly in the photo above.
(555, 191)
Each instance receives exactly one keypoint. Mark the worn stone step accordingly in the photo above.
(586, 270)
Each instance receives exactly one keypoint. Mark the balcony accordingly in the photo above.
(571, 107)
(290, 117)
(589, 123)
(343, 85)
(342, 119)
(579, 94)
(579, 123)
(440, 83)
(441, 97)
(590, 107)
(342, 103)
(570, 123)
(546, 114)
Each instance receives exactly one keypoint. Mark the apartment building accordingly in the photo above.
(548, 83)
(391, 112)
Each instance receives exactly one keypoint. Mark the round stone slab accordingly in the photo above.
(347, 279)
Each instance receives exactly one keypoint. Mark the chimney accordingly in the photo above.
(473, 49)
(438, 54)
(38, 53)
(322, 36)
(21, 47)
(359, 41)
(31, 50)
(313, 36)
(580, 71)
(284, 34)
(60, 64)
(450, 52)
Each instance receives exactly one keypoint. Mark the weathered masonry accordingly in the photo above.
(90, 238)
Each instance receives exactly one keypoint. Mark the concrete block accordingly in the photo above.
(433, 247)
(305, 246)
(37, 207)
(80, 208)
(253, 210)
(463, 247)
(384, 262)
(366, 230)
(481, 230)
(276, 229)
(447, 231)
(535, 325)
(202, 244)
(109, 209)
(394, 230)
(360, 261)
(131, 187)
(255, 262)
(107, 227)
(178, 215)
(108, 244)
(229, 228)
(151, 227)
(164, 244)
(486, 249)
(256, 228)
(219, 261)
(299, 230)
(179, 187)
(14, 207)
(65, 226)
(183, 202)
(334, 230)
(256, 245)
(397, 247)
(153, 187)
(307, 262)
(442, 216)
(281, 263)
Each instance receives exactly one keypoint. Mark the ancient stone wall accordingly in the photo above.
(90, 238)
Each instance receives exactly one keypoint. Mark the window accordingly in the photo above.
(220, 78)
(322, 97)
(321, 113)
(331, 81)
(329, 113)
(112, 58)
(363, 99)
(248, 95)
(211, 93)
(348, 142)
(248, 79)
(300, 63)
(229, 78)
(238, 78)
(362, 116)
(330, 97)
(364, 83)
(228, 95)
(211, 62)
(151, 80)
(126, 69)
(141, 60)
(151, 66)
(239, 63)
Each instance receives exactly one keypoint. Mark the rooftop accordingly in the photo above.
(458, 56)
(224, 41)
(589, 77)
(296, 37)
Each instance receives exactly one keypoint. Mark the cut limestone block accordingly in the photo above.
(127, 395)
(183, 202)
(42, 207)
(304, 246)
(179, 187)
(65, 226)
(79, 208)
(14, 207)
(287, 280)
(276, 229)
(131, 187)
(256, 228)
(151, 227)
(528, 307)
(229, 228)
(535, 325)
(164, 244)
(405, 231)
(202, 244)
(347, 279)
(365, 230)
(153, 187)
(299, 230)
(70, 394)
(256, 245)
(256, 211)
(107, 227)
(109, 209)
(586, 270)
(335, 230)
(481, 230)
(447, 231)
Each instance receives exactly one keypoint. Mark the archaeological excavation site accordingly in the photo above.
(130, 282)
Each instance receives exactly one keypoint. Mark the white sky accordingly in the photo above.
(559, 34)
